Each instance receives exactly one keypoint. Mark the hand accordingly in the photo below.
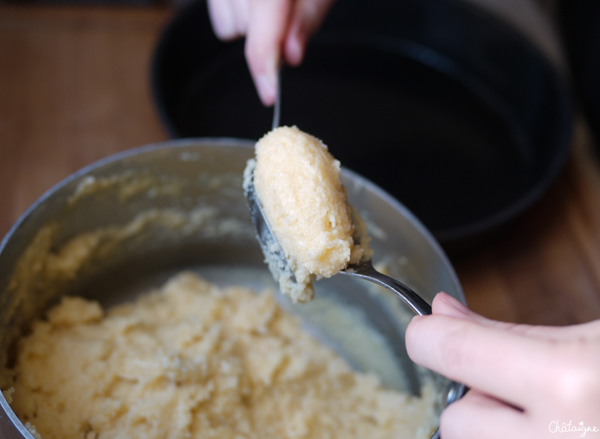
(275, 30)
(526, 381)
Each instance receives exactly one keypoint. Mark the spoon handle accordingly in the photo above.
(366, 271)
(277, 106)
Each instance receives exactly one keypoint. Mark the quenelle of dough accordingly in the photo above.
(297, 182)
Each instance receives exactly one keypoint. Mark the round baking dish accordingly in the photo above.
(451, 110)
(147, 186)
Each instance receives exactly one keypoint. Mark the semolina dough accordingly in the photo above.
(297, 182)
(196, 361)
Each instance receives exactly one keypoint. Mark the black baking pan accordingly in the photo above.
(452, 111)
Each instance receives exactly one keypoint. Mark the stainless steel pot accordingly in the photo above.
(179, 204)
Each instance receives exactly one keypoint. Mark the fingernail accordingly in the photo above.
(266, 89)
(457, 305)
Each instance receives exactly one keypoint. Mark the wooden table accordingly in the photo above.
(74, 87)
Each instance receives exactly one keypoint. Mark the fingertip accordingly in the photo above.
(445, 304)
(429, 339)
(267, 26)
(262, 62)
(414, 332)
(294, 50)
(472, 415)
(306, 18)
(222, 19)
(416, 319)
(267, 88)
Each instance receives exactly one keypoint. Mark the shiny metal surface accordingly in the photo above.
(365, 270)
(274, 256)
(277, 106)
(187, 174)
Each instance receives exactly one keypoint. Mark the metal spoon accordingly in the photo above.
(364, 269)
(278, 262)
(275, 256)
(277, 106)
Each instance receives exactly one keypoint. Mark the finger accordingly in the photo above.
(444, 304)
(229, 18)
(267, 24)
(477, 415)
(496, 362)
(306, 18)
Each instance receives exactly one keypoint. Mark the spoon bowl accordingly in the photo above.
(275, 257)
(280, 267)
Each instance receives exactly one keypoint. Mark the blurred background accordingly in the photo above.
(80, 80)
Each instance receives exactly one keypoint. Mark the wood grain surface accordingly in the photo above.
(74, 88)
